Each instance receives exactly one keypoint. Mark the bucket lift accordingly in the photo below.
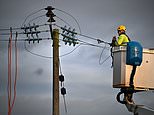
(132, 73)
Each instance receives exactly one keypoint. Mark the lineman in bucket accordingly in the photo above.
(122, 38)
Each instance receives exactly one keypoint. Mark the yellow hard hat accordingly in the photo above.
(121, 27)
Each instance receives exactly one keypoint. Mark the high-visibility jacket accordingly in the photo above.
(122, 40)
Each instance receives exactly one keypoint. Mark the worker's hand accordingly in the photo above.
(113, 41)
(114, 38)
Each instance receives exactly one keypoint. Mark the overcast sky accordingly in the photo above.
(88, 84)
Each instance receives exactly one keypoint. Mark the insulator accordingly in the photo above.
(63, 91)
(69, 43)
(73, 33)
(37, 35)
(68, 31)
(74, 43)
(65, 42)
(61, 78)
(64, 29)
(33, 41)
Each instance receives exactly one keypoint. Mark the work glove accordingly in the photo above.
(113, 41)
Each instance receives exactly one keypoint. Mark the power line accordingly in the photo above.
(25, 47)
(36, 18)
(20, 28)
(93, 38)
(22, 40)
(72, 17)
(90, 44)
(31, 15)
(105, 60)
(63, 90)
(63, 21)
(48, 57)
(86, 36)
(101, 56)
(6, 29)
(83, 42)
(43, 31)
(70, 51)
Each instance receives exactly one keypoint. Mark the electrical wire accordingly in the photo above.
(105, 60)
(65, 105)
(93, 38)
(86, 36)
(36, 18)
(25, 47)
(19, 28)
(31, 15)
(61, 33)
(16, 72)
(9, 85)
(60, 68)
(90, 44)
(101, 52)
(70, 51)
(6, 29)
(61, 73)
(49, 57)
(9, 33)
(70, 16)
(62, 86)
(86, 43)
(9, 71)
(101, 55)
(23, 40)
(43, 31)
(64, 21)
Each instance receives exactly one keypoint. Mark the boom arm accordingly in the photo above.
(139, 109)
(130, 104)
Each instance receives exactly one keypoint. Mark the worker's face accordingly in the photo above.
(120, 31)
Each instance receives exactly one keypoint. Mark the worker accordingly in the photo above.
(122, 39)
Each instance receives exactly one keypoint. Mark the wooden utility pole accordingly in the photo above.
(55, 37)
(55, 72)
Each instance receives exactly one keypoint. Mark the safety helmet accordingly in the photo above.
(121, 27)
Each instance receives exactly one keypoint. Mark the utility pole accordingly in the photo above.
(55, 37)
(55, 72)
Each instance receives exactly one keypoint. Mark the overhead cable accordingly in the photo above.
(63, 21)
(72, 17)
(44, 31)
(63, 89)
(9, 85)
(49, 57)
(20, 28)
(16, 72)
(86, 36)
(36, 18)
(31, 15)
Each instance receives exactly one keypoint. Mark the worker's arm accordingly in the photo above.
(119, 41)
(113, 44)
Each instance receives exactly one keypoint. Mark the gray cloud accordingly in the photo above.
(39, 71)
(89, 85)
(28, 105)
